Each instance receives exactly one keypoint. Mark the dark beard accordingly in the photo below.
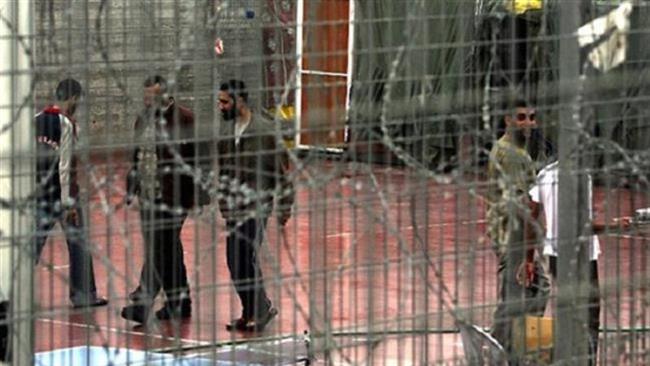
(535, 144)
(229, 115)
(519, 137)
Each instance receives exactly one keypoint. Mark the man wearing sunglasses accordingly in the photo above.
(522, 284)
(253, 174)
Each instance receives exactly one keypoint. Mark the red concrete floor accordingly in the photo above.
(385, 252)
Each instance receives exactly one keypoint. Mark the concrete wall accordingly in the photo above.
(139, 38)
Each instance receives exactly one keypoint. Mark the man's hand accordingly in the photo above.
(132, 183)
(624, 222)
(132, 187)
(71, 216)
(128, 199)
(526, 273)
(283, 217)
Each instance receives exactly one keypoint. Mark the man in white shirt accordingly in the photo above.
(544, 195)
(57, 198)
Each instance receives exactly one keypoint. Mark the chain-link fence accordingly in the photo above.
(392, 182)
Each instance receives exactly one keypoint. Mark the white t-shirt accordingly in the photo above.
(545, 191)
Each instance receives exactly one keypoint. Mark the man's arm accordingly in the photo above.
(531, 229)
(196, 153)
(619, 223)
(65, 160)
(526, 271)
(137, 128)
(519, 169)
(132, 179)
(285, 193)
(520, 180)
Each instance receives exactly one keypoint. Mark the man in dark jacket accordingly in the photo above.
(253, 173)
(165, 164)
(57, 197)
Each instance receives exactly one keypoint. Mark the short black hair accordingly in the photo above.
(511, 104)
(67, 89)
(519, 103)
(156, 79)
(235, 88)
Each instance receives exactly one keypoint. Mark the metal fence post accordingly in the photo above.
(16, 264)
(571, 331)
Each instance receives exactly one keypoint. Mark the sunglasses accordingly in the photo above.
(522, 116)
(224, 101)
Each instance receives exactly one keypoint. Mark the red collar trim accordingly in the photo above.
(52, 109)
(55, 109)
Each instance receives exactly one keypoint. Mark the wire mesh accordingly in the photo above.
(383, 119)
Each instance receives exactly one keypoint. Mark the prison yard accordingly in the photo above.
(324, 182)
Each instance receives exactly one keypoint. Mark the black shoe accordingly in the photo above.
(137, 296)
(258, 324)
(5, 336)
(98, 301)
(237, 324)
(169, 311)
(136, 313)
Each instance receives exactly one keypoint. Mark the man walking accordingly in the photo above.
(165, 163)
(253, 174)
(57, 197)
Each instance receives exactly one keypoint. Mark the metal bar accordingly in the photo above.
(571, 333)
(300, 20)
(324, 73)
(350, 70)
(16, 262)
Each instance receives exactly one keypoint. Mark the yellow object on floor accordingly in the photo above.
(532, 337)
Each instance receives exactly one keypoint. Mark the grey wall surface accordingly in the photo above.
(112, 45)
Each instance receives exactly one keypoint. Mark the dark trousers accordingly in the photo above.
(82, 277)
(243, 243)
(5, 334)
(164, 264)
(594, 305)
(515, 300)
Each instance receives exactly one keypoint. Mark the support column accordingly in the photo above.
(16, 174)
(571, 330)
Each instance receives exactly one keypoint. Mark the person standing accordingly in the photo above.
(253, 174)
(522, 283)
(544, 197)
(57, 198)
